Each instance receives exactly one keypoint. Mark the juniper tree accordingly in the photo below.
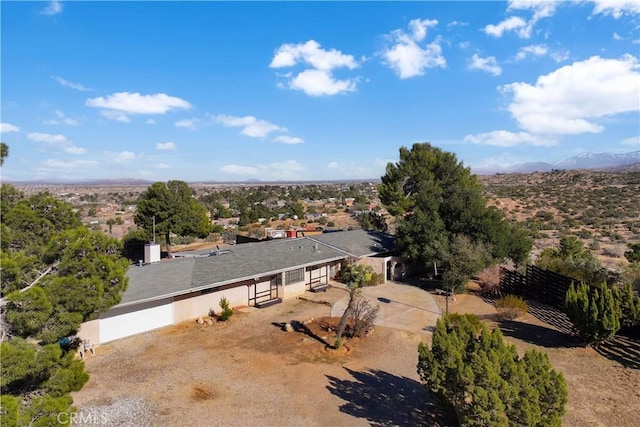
(595, 313)
(473, 369)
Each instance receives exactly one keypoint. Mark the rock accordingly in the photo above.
(288, 327)
(200, 321)
(209, 322)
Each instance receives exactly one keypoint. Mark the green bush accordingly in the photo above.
(486, 381)
(595, 313)
(227, 311)
(511, 307)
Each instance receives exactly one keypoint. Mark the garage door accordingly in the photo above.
(122, 322)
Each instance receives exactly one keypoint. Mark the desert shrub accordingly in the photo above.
(585, 233)
(615, 251)
(363, 315)
(511, 307)
(456, 319)
(486, 381)
(489, 281)
(545, 215)
(331, 224)
(372, 279)
(227, 311)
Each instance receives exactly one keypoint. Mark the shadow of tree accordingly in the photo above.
(551, 316)
(545, 313)
(536, 334)
(622, 349)
(384, 399)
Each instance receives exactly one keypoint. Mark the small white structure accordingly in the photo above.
(151, 253)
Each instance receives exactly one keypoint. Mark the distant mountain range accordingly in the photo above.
(609, 162)
(597, 161)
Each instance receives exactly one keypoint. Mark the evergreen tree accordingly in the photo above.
(595, 313)
(487, 383)
(174, 210)
(435, 199)
(55, 274)
(629, 306)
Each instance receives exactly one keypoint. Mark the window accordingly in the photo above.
(294, 276)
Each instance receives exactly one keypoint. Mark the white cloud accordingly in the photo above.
(312, 54)
(163, 166)
(8, 127)
(286, 139)
(53, 8)
(489, 64)
(170, 146)
(419, 27)
(503, 138)
(319, 79)
(509, 24)
(119, 105)
(120, 157)
(239, 170)
(457, 24)
(56, 141)
(73, 164)
(187, 123)
(617, 37)
(560, 55)
(150, 122)
(541, 9)
(47, 138)
(616, 8)
(72, 85)
(634, 141)
(567, 100)
(533, 50)
(118, 116)
(321, 83)
(333, 165)
(61, 119)
(406, 57)
(251, 126)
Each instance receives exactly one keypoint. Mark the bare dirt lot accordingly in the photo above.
(249, 372)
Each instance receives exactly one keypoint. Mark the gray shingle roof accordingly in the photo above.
(359, 243)
(247, 261)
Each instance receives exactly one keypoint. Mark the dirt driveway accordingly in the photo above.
(249, 372)
(402, 306)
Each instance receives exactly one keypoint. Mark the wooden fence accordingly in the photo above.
(537, 284)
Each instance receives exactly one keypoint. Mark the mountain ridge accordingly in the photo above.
(595, 161)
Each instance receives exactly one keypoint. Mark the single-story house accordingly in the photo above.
(251, 274)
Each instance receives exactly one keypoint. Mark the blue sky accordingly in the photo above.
(226, 91)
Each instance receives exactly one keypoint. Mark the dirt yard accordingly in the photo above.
(604, 385)
(249, 372)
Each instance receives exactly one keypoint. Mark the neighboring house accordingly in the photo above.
(254, 274)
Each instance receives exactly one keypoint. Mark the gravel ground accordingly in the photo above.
(249, 372)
